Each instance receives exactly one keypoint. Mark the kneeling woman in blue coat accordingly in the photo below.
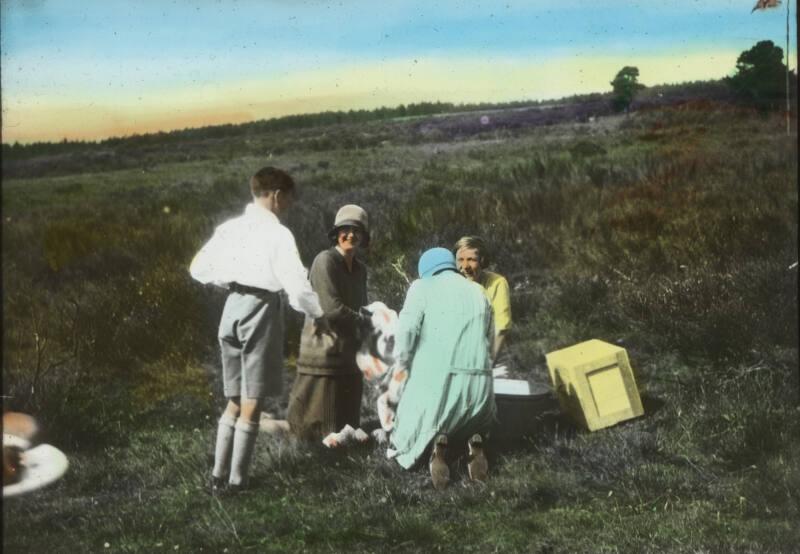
(444, 338)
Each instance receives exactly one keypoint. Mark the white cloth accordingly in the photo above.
(374, 358)
(256, 250)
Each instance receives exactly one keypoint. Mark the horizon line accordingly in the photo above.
(466, 105)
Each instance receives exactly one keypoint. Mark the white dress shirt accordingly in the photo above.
(256, 250)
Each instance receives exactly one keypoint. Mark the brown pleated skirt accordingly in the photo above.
(323, 404)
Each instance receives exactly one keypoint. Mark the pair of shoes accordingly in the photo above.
(216, 486)
(233, 490)
(440, 472)
(478, 466)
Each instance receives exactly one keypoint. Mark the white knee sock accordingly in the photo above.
(222, 451)
(244, 441)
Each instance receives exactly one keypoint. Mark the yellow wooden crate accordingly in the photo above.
(594, 383)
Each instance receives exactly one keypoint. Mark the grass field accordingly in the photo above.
(672, 232)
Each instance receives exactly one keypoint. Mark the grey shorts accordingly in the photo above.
(251, 339)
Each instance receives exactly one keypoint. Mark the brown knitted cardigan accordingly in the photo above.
(341, 293)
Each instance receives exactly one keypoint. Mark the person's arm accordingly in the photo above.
(364, 300)
(489, 331)
(501, 305)
(409, 324)
(292, 276)
(207, 264)
(501, 308)
(497, 344)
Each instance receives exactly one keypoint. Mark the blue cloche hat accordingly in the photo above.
(435, 260)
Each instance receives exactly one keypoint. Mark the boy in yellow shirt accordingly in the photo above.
(471, 258)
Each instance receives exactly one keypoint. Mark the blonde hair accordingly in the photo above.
(473, 243)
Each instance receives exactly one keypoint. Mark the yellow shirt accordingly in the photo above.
(496, 288)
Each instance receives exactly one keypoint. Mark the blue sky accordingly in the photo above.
(91, 69)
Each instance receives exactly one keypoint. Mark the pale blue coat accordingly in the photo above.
(444, 337)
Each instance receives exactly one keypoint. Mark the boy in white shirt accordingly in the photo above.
(254, 256)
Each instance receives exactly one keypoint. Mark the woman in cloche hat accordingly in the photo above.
(326, 394)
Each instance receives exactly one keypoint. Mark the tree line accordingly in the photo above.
(228, 130)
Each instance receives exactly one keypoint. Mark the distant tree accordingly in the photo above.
(760, 76)
(625, 87)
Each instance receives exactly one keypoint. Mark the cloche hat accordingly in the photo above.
(435, 260)
(351, 215)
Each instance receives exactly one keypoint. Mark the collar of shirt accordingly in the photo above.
(256, 210)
